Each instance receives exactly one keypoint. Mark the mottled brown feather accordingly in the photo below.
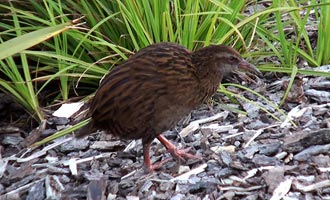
(150, 92)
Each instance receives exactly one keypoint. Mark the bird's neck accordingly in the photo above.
(209, 80)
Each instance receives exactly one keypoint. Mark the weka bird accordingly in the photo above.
(151, 91)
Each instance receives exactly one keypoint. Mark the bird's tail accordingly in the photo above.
(82, 114)
(84, 131)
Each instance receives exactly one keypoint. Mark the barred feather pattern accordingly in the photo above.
(150, 92)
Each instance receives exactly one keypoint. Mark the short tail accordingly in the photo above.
(84, 131)
(82, 114)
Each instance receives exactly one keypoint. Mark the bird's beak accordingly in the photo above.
(249, 67)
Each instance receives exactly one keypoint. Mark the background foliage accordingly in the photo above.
(56, 62)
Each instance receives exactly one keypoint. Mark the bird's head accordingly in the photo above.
(221, 60)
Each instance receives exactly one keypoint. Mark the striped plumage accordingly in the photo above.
(150, 92)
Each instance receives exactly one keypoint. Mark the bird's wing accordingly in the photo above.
(130, 96)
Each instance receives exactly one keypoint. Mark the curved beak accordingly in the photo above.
(249, 67)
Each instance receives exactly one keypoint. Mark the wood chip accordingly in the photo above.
(186, 175)
(68, 109)
(282, 189)
(313, 187)
(193, 126)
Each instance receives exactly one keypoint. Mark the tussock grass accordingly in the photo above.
(38, 50)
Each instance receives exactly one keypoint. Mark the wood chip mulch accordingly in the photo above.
(264, 153)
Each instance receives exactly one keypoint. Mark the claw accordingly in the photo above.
(179, 154)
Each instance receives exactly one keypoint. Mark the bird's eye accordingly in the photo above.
(232, 59)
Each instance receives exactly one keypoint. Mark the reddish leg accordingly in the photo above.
(210, 106)
(180, 154)
(147, 161)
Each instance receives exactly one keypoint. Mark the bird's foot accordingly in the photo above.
(179, 154)
(147, 162)
(182, 154)
(157, 165)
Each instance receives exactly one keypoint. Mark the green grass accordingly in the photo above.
(44, 58)
(20, 84)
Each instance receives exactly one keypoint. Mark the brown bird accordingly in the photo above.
(151, 91)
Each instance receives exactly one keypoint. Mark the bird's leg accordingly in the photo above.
(209, 104)
(147, 162)
(180, 154)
